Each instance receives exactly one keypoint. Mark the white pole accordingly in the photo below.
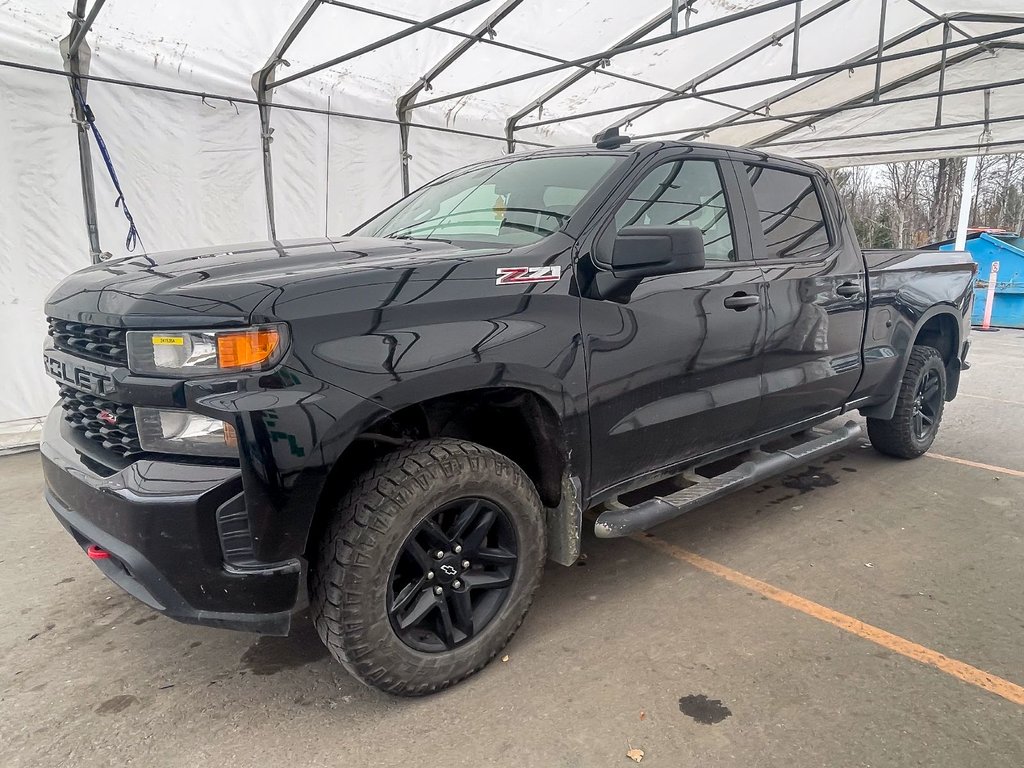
(966, 198)
(990, 295)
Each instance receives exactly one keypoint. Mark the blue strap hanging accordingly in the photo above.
(133, 237)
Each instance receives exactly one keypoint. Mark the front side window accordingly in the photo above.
(683, 193)
(790, 213)
(508, 203)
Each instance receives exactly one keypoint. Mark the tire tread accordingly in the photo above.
(367, 509)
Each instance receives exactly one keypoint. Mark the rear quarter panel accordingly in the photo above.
(906, 288)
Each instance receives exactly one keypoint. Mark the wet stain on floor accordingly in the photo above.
(811, 478)
(270, 655)
(144, 619)
(116, 704)
(704, 710)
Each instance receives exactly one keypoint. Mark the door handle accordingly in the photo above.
(740, 301)
(849, 290)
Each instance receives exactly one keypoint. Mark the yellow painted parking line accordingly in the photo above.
(991, 399)
(977, 465)
(895, 643)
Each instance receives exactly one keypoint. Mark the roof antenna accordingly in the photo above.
(610, 139)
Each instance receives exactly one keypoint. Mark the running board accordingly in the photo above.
(623, 521)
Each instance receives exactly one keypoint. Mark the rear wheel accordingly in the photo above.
(912, 429)
(429, 566)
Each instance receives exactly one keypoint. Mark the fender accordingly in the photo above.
(362, 413)
(902, 344)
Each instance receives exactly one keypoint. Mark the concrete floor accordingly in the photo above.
(930, 550)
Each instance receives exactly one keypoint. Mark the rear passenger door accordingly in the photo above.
(815, 279)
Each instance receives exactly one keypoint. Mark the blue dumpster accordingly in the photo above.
(1008, 249)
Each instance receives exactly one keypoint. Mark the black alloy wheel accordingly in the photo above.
(428, 566)
(927, 405)
(452, 575)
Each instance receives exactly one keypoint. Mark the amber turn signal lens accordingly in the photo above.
(230, 436)
(247, 348)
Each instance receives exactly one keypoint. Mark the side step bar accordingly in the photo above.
(624, 521)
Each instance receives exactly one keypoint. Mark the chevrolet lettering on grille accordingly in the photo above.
(68, 371)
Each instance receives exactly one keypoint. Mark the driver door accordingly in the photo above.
(674, 361)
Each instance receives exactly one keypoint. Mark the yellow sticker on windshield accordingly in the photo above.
(164, 341)
(499, 207)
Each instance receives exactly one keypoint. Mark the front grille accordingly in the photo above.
(115, 430)
(95, 342)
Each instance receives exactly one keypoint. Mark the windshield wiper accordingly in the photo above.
(395, 236)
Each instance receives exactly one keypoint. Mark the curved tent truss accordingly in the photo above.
(238, 120)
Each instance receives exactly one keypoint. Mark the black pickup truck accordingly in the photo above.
(409, 421)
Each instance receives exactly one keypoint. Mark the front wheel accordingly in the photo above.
(429, 566)
(912, 429)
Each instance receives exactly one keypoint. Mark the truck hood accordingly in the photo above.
(223, 286)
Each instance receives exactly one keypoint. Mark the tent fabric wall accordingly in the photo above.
(42, 225)
(192, 167)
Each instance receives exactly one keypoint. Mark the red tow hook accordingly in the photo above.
(96, 553)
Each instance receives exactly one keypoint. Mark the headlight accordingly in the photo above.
(167, 431)
(170, 353)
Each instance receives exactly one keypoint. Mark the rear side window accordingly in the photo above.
(790, 211)
(683, 193)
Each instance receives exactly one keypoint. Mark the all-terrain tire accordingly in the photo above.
(349, 582)
(900, 436)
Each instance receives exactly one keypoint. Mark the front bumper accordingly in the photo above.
(158, 521)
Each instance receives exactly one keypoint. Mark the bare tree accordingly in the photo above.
(903, 205)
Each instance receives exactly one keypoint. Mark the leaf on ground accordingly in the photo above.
(643, 715)
(636, 755)
(505, 657)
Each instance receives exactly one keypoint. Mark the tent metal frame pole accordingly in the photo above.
(881, 48)
(761, 45)
(76, 54)
(235, 100)
(986, 131)
(901, 38)
(85, 26)
(796, 39)
(264, 97)
(768, 103)
(384, 41)
(497, 43)
(946, 33)
(611, 52)
(486, 27)
(984, 123)
(988, 18)
(976, 147)
(864, 103)
(637, 34)
(858, 101)
(939, 17)
(888, 88)
(585, 69)
(831, 70)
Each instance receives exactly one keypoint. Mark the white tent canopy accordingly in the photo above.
(208, 152)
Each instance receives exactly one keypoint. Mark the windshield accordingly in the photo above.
(511, 203)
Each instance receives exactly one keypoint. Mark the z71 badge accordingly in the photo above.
(518, 275)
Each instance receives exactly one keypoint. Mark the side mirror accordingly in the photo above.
(649, 251)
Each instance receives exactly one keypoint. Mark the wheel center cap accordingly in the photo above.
(448, 569)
